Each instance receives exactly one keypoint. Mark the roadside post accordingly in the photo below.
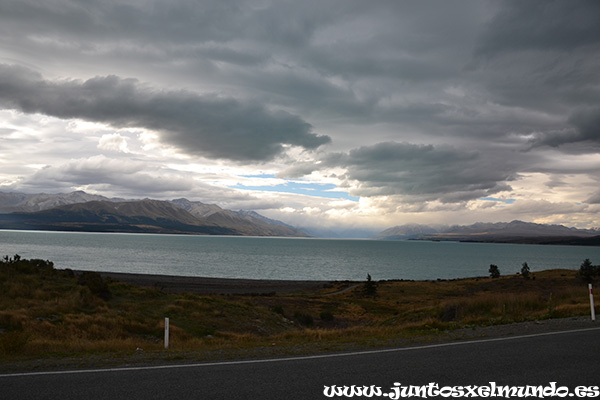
(592, 302)
(166, 332)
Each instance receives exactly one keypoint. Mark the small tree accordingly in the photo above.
(370, 287)
(525, 270)
(494, 271)
(587, 270)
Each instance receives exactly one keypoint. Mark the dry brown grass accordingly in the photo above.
(46, 312)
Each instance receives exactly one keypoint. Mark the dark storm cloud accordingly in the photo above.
(371, 49)
(149, 21)
(208, 125)
(440, 100)
(583, 128)
(541, 25)
(422, 172)
(541, 55)
(587, 123)
(178, 29)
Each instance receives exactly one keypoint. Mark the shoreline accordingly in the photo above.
(201, 285)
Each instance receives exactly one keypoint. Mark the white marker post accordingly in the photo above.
(166, 333)
(592, 302)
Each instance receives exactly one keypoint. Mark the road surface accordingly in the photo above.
(570, 358)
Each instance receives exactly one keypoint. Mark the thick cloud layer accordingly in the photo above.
(423, 172)
(445, 110)
(207, 125)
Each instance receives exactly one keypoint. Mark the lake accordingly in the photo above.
(284, 258)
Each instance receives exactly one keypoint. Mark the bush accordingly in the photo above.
(587, 271)
(303, 319)
(450, 313)
(326, 316)
(94, 282)
(494, 271)
(33, 266)
(525, 270)
(369, 287)
(278, 310)
(13, 342)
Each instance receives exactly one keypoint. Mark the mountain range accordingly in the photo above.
(500, 232)
(80, 211)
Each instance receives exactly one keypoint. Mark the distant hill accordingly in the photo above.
(79, 211)
(517, 228)
(501, 232)
(145, 216)
(21, 202)
(410, 231)
(244, 222)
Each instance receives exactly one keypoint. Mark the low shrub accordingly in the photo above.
(304, 319)
(278, 310)
(326, 316)
(94, 282)
(494, 271)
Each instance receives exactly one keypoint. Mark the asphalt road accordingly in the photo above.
(569, 358)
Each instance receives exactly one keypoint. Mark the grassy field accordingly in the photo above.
(52, 313)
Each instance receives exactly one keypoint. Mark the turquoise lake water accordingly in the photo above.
(284, 258)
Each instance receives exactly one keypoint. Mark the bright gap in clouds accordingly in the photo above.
(326, 190)
(505, 201)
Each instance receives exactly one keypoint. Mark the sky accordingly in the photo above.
(329, 114)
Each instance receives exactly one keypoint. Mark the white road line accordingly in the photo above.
(298, 358)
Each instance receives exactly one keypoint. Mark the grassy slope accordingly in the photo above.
(50, 313)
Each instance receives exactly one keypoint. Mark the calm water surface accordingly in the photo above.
(284, 258)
